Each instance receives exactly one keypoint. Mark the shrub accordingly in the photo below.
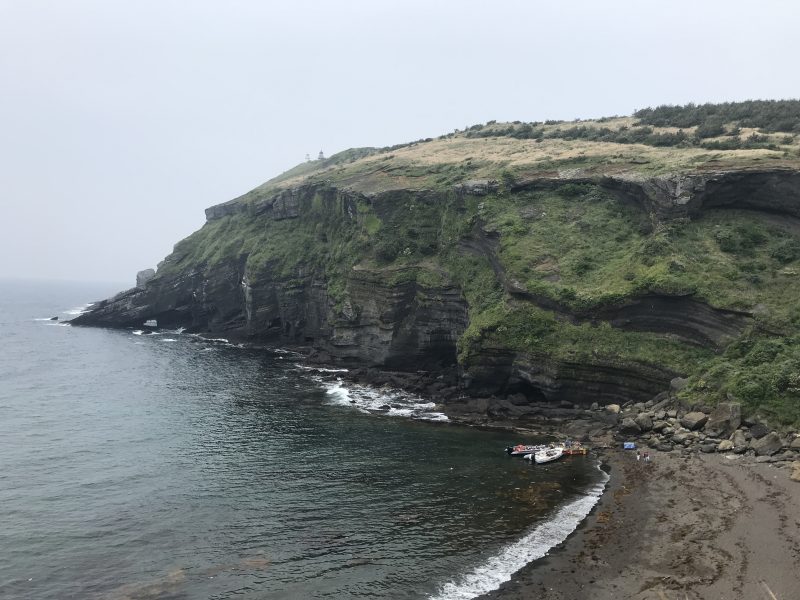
(786, 251)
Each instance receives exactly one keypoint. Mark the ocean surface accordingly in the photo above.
(168, 466)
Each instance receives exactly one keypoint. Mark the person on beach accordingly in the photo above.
(638, 456)
(647, 457)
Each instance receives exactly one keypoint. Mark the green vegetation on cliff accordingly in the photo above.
(570, 242)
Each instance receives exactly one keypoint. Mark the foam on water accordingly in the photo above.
(79, 310)
(320, 369)
(395, 403)
(499, 568)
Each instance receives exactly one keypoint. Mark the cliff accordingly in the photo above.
(542, 270)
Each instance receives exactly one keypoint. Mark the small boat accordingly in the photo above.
(523, 449)
(548, 455)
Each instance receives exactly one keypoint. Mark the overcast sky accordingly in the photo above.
(120, 121)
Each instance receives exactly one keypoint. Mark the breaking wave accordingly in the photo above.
(79, 310)
(499, 568)
(394, 403)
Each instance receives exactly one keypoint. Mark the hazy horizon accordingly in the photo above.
(122, 122)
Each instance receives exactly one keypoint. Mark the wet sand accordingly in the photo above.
(677, 528)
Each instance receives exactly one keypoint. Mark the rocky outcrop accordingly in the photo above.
(686, 195)
(142, 277)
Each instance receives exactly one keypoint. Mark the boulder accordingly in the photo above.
(594, 406)
(767, 445)
(665, 447)
(694, 420)
(681, 437)
(644, 421)
(672, 413)
(739, 442)
(725, 446)
(668, 430)
(795, 445)
(724, 420)
(613, 408)
(758, 430)
(707, 448)
(629, 426)
(660, 425)
(608, 418)
(795, 476)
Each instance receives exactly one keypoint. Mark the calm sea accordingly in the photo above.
(138, 466)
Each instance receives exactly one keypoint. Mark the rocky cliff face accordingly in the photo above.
(380, 280)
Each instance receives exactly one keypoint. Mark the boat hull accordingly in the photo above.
(547, 456)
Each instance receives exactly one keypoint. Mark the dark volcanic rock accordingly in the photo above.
(629, 427)
(767, 445)
(694, 420)
(644, 422)
(724, 420)
(758, 430)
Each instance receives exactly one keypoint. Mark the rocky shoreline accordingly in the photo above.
(715, 513)
(662, 423)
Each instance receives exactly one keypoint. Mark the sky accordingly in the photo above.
(121, 121)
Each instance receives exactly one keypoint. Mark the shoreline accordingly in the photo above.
(677, 528)
(689, 525)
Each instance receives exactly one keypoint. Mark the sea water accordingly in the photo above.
(143, 466)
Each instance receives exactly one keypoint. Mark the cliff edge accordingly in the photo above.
(533, 263)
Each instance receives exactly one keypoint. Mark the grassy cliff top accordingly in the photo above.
(651, 142)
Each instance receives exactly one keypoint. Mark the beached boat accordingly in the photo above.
(523, 449)
(548, 455)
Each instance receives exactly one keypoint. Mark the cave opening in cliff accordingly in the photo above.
(527, 389)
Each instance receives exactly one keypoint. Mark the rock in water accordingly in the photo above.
(54, 318)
